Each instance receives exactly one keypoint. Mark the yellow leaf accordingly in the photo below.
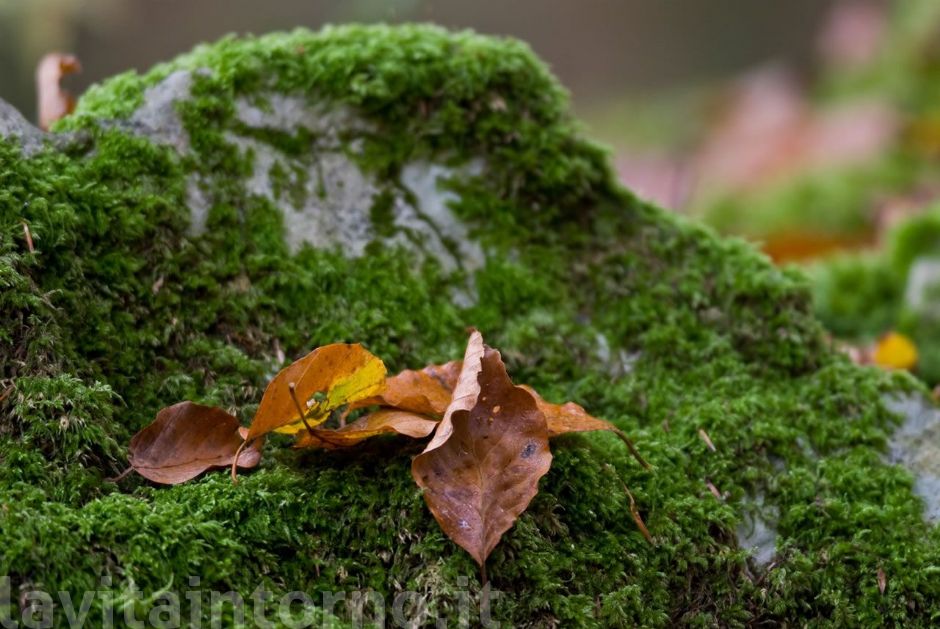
(323, 380)
(895, 351)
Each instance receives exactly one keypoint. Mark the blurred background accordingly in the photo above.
(601, 49)
(810, 127)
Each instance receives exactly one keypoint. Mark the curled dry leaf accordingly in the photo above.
(54, 102)
(482, 468)
(382, 421)
(466, 389)
(187, 439)
(338, 374)
(570, 417)
(426, 391)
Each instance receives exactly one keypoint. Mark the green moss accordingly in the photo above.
(861, 296)
(840, 201)
(592, 296)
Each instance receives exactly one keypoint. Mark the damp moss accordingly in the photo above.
(860, 296)
(655, 324)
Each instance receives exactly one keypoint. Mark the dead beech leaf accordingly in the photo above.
(339, 374)
(427, 391)
(466, 389)
(800, 246)
(187, 439)
(482, 468)
(54, 102)
(570, 417)
(386, 420)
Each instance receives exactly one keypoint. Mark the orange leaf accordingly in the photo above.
(54, 102)
(570, 417)
(340, 374)
(382, 421)
(427, 391)
(187, 439)
(482, 468)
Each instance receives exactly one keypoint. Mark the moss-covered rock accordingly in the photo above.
(393, 186)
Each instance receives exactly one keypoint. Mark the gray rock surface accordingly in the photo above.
(922, 292)
(326, 198)
(14, 126)
(916, 445)
(330, 199)
(757, 532)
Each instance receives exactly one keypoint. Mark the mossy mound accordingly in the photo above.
(127, 305)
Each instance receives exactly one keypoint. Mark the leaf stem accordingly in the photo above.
(120, 476)
(636, 455)
(299, 406)
(484, 591)
(235, 461)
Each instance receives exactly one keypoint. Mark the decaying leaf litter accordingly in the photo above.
(489, 437)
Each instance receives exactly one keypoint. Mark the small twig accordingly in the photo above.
(713, 489)
(343, 416)
(708, 441)
(770, 566)
(636, 455)
(29, 237)
(634, 511)
(299, 406)
(120, 476)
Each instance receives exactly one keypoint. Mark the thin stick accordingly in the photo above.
(121, 476)
(484, 591)
(640, 524)
(637, 518)
(708, 440)
(636, 455)
(29, 237)
(299, 406)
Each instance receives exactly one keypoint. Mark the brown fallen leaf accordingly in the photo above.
(562, 419)
(429, 391)
(482, 468)
(882, 580)
(187, 439)
(381, 421)
(426, 391)
(466, 389)
(338, 374)
(54, 102)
